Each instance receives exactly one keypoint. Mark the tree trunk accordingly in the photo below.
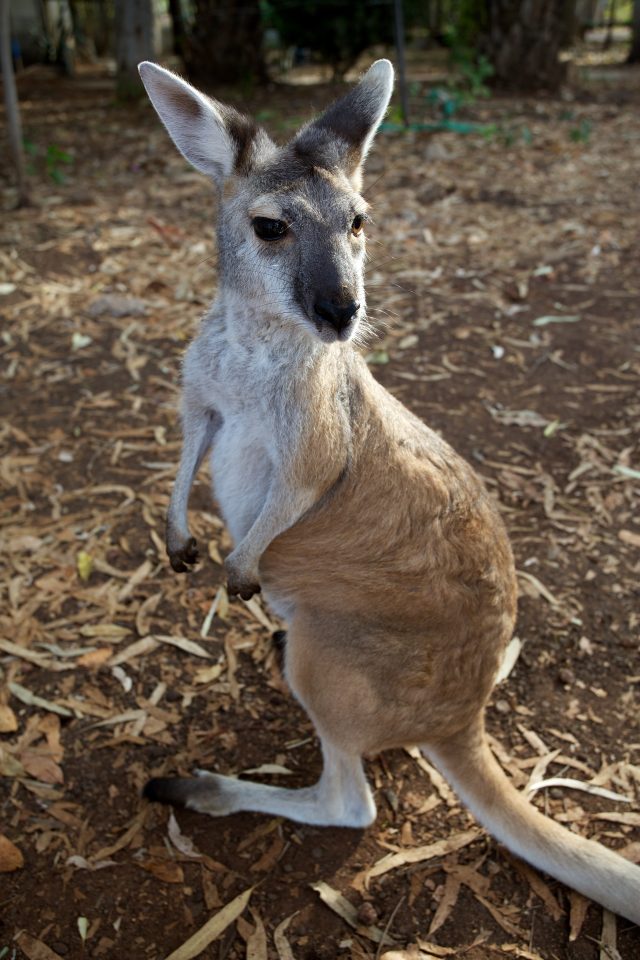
(634, 53)
(177, 25)
(522, 40)
(225, 42)
(134, 42)
(14, 125)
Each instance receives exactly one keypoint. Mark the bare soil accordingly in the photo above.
(504, 285)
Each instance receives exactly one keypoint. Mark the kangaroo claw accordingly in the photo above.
(181, 560)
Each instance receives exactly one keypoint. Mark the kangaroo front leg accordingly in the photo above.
(283, 506)
(199, 428)
(341, 797)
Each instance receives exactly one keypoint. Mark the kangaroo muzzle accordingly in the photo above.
(338, 316)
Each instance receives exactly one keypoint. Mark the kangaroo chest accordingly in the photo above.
(283, 420)
(251, 396)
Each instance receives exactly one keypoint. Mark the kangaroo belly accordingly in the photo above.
(241, 472)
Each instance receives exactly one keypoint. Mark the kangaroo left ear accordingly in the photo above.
(350, 123)
(215, 138)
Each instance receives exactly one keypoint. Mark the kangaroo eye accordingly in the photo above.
(357, 225)
(268, 229)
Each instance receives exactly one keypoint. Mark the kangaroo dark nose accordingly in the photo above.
(337, 315)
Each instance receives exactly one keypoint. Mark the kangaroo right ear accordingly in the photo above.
(351, 122)
(215, 138)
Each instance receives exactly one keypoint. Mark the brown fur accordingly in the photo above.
(404, 590)
(402, 572)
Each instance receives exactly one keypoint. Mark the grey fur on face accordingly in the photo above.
(312, 277)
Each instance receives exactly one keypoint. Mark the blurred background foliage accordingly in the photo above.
(516, 44)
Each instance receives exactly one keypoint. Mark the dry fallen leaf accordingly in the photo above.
(435, 948)
(8, 719)
(96, 658)
(281, 943)
(212, 928)
(125, 839)
(136, 649)
(10, 766)
(515, 950)
(257, 941)
(41, 766)
(10, 857)
(35, 949)
(628, 536)
(346, 910)
(447, 903)
(180, 842)
(208, 674)
(609, 937)
(540, 888)
(81, 863)
(577, 913)
(629, 819)
(270, 857)
(166, 870)
(411, 953)
(419, 854)
(31, 700)
(571, 784)
(509, 659)
(188, 646)
(83, 927)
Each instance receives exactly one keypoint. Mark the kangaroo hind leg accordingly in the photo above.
(340, 798)
(328, 692)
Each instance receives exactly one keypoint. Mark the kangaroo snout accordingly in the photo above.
(336, 315)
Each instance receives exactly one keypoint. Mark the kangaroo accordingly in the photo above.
(366, 532)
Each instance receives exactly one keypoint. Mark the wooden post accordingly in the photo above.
(14, 124)
(398, 21)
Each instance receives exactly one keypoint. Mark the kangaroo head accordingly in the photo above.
(291, 221)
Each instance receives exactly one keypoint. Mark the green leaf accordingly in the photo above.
(377, 357)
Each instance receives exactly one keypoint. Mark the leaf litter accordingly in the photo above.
(96, 633)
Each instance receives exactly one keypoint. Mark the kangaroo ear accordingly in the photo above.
(348, 126)
(215, 138)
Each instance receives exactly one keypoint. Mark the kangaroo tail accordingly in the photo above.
(582, 864)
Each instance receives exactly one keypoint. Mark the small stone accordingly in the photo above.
(566, 676)
(367, 914)
(585, 645)
(502, 706)
(556, 793)
(60, 947)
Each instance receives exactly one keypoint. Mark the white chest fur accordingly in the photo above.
(250, 383)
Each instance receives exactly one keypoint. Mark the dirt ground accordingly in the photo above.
(504, 281)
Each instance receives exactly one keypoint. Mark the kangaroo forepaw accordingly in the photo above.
(184, 557)
(242, 578)
(242, 588)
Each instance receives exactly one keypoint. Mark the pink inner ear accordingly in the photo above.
(187, 105)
